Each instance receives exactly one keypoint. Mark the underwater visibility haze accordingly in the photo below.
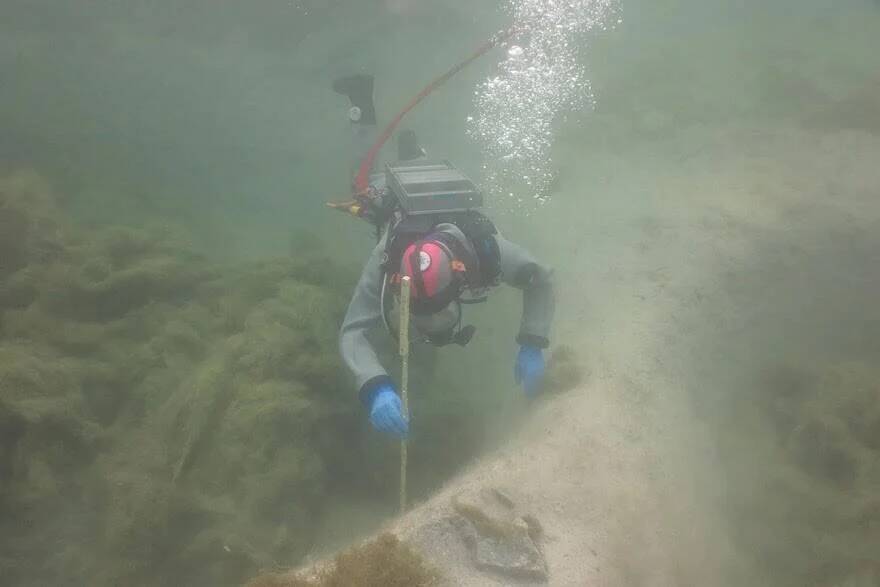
(700, 175)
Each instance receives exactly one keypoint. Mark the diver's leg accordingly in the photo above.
(359, 90)
(362, 115)
(408, 147)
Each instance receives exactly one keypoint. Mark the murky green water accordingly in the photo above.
(172, 409)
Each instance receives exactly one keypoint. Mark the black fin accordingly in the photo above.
(408, 147)
(359, 90)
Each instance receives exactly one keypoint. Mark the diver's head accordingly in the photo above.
(431, 268)
(437, 279)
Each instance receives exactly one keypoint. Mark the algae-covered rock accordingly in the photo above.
(813, 512)
(115, 275)
(188, 418)
(238, 434)
(176, 405)
(31, 226)
(382, 562)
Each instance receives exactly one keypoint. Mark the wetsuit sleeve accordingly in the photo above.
(520, 270)
(364, 314)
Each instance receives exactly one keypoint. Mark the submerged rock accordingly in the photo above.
(382, 562)
(501, 539)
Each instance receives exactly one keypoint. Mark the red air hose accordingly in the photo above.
(362, 180)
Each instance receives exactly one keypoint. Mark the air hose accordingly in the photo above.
(362, 180)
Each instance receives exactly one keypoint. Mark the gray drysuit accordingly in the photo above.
(518, 268)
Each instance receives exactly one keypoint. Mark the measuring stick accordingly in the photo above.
(404, 379)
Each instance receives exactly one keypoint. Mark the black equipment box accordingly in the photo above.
(423, 187)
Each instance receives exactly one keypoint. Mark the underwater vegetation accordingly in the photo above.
(167, 419)
(815, 476)
(164, 420)
(382, 562)
(564, 373)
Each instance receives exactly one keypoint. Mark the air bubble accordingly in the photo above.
(540, 79)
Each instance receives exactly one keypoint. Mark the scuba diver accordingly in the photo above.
(429, 228)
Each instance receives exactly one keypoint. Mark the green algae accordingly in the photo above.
(178, 398)
(188, 417)
(806, 472)
(564, 371)
(382, 562)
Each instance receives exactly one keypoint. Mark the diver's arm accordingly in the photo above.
(520, 270)
(364, 313)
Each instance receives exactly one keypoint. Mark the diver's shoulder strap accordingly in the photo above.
(481, 231)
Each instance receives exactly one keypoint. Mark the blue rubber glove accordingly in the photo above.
(386, 413)
(529, 370)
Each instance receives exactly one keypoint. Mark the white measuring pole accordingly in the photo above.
(404, 378)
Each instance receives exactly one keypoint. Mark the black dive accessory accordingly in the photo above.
(428, 188)
(359, 90)
(408, 147)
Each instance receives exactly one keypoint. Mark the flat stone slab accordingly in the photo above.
(501, 539)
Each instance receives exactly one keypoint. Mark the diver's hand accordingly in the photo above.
(529, 369)
(386, 413)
